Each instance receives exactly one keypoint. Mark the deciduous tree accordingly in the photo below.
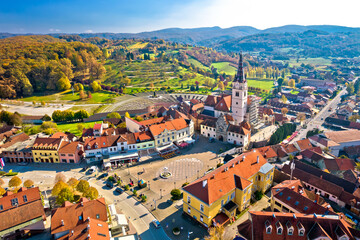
(28, 183)
(60, 177)
(15, 182)
(92, 193)
(65, 195)
(83, 186)
(58, 187)
(113, 115)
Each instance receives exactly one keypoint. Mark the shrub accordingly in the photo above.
(176, 194)
(258, 195)
(219, 165)
(76, 198)
(111, 179)
(2, 173)
(11, 174)
(143, 198)
(127, 187)
(185, 184)
(135, 193)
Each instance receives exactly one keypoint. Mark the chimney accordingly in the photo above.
(72, 232)
(62, 223)
(82, 203)
(243, 158)
(294, 216)
(257, 159)
(204, 183)
(317, 198)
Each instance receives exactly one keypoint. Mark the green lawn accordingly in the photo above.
(197, 63)
(224, 67)
(65, 96)
(72, 127)
(261, 83)
(313, 61)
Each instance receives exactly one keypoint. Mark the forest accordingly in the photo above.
(31, 64)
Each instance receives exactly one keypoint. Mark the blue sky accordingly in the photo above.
(76, 16)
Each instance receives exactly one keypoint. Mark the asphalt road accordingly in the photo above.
(139, 216)
(319, 119)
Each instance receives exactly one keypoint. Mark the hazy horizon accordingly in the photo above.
(121, 16)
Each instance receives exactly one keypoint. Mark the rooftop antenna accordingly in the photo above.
(292, 167)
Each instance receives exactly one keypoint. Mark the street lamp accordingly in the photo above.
(197, 173)
(174, 185)
(160, 193)
(155, 204)
(149, 184)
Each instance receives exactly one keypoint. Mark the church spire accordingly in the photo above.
(240, 77)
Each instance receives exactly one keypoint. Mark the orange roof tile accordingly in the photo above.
(72, 215)
(219, 182)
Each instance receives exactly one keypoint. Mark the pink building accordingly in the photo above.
(70, 152)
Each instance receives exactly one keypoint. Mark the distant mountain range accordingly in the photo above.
(329, 38)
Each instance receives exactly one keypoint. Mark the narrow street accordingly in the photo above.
(319, 119)
(139, 215)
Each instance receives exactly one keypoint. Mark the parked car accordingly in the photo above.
(119, 190)
(109, 184)
(92, 169)
(156, 223)
(102, 176)
(84, 169)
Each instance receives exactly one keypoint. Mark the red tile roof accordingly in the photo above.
(267, 152)
(224, 104)
(25, 211)
(304, 144)
(47, 142)
(69, 147)
(222, 180)
(176, 124)
(143, 136)
(339, 164)
(255, 227)
(100, 142)
(97, 126)
(71, 215)
(89, 229)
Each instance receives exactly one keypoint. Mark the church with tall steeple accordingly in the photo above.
(228, 117)
(239, 94)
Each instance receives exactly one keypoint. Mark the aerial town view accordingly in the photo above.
(179, 120)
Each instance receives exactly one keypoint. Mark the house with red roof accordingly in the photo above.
(299, 226)
(21, 213)
(216, 198)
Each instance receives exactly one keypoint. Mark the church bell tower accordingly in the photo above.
(239, 94)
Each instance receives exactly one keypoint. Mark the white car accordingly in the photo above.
(156, 223)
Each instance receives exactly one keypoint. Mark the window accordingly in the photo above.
(244, 199)
(201, 218)
(279, 231)
(268, 230)
(291, 231)
(189, 210)
(1, 207)
(201, 207)
(80, 217)
(233, 195)
(189, 200)
(236, 94)
(301, 232)
(14, 202)
(97, 216)
(25, 198)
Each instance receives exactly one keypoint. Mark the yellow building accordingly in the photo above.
(217, 197)
(46, 150)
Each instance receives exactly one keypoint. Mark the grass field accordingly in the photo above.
(66, 96)
(72, 127)
(224, 67)
(312, 61)
(197, 63)
(138, 45)
(263, 84)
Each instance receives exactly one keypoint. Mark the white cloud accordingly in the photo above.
(89, 31)
(54, 30)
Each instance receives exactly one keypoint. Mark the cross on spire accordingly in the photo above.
(240, 76)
